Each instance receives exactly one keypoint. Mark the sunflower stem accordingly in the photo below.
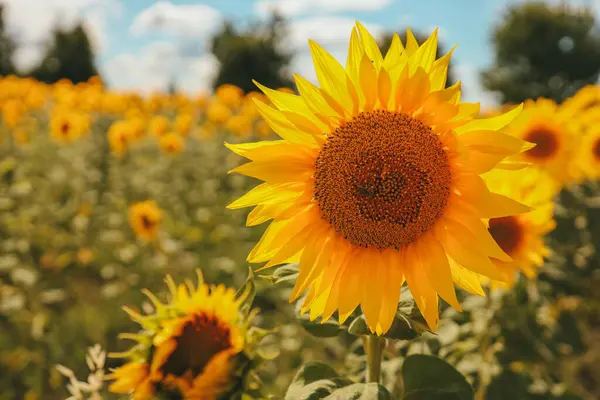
(374, 349)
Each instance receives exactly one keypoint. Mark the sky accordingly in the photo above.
(143, 45)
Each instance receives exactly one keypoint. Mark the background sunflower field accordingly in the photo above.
(103, 192)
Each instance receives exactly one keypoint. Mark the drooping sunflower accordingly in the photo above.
(554, 131)
(145, 218)
(522, 236)
(193, 347)
(376, 181)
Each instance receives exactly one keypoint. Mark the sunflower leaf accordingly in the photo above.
(318, 328)
(408, 323)
(431, 378)
(284, 273)
(314, 381)
(245, 294)
(361, 391)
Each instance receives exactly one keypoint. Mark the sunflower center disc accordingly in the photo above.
(201, 339)
(506, 231)
(546, 143)
(382, 179)
(596, 150)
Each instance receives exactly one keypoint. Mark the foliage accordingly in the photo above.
(256, 54)
(7, 48)
(544, 50)
(68, 56)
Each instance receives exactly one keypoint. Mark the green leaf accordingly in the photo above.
(431, 378)
(329, 328)
(246, 294)
(314, 381)
(361, 391)
(282, 274)
(407, 325)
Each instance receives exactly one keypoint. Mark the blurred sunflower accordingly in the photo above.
(159, 125)
(239, 125)
(377, 182)
(217, 113)
(119, 136)
(552, 129)
(522, 236)
(229, 95)
(193, 347)
(171, 143)
(183, 123)
(588, 156)
(145, 218)
(67, 126)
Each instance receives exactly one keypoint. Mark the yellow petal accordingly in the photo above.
(266, 193)
(368, 83)
(425, 55)
(411, 43)
(283, 127)
(331, 75)
(493, 123)
(355, 55)
(439, 71)
(435, 262)
(384, 86)
(423, 293)
(370, 45)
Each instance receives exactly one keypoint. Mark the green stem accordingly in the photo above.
(374, 348)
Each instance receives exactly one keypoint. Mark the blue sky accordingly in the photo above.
(144, 44)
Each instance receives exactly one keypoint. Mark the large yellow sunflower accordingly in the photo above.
(522, 236)
(554, 130)
(189, 346)
(376, 181)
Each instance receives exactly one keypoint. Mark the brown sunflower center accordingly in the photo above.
(507, 232)
(596, 149)
(147, 223)
(546, 143)
(203, 337)
(64, 128)
(382, 179)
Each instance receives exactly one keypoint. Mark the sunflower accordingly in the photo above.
(554, 131)
(588, 155)
(183, 123)
(171, 143)
(376, 181)
(522, 236)
(159, 125)
(120, 135)
(192, 347)
(66, 126)
(145, 218)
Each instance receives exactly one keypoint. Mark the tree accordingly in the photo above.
(255, 54)
(544, 51)
(386, 41)
(69, 56)
(7, 48)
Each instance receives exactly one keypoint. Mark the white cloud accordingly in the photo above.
(31, 23)
(292, 8)
(473, 90)
(187, 20)
(332, 33)
(158, 64)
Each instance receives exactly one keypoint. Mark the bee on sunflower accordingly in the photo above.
(145, 218)
(376, 181)
(199, 345)
(522, 236)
